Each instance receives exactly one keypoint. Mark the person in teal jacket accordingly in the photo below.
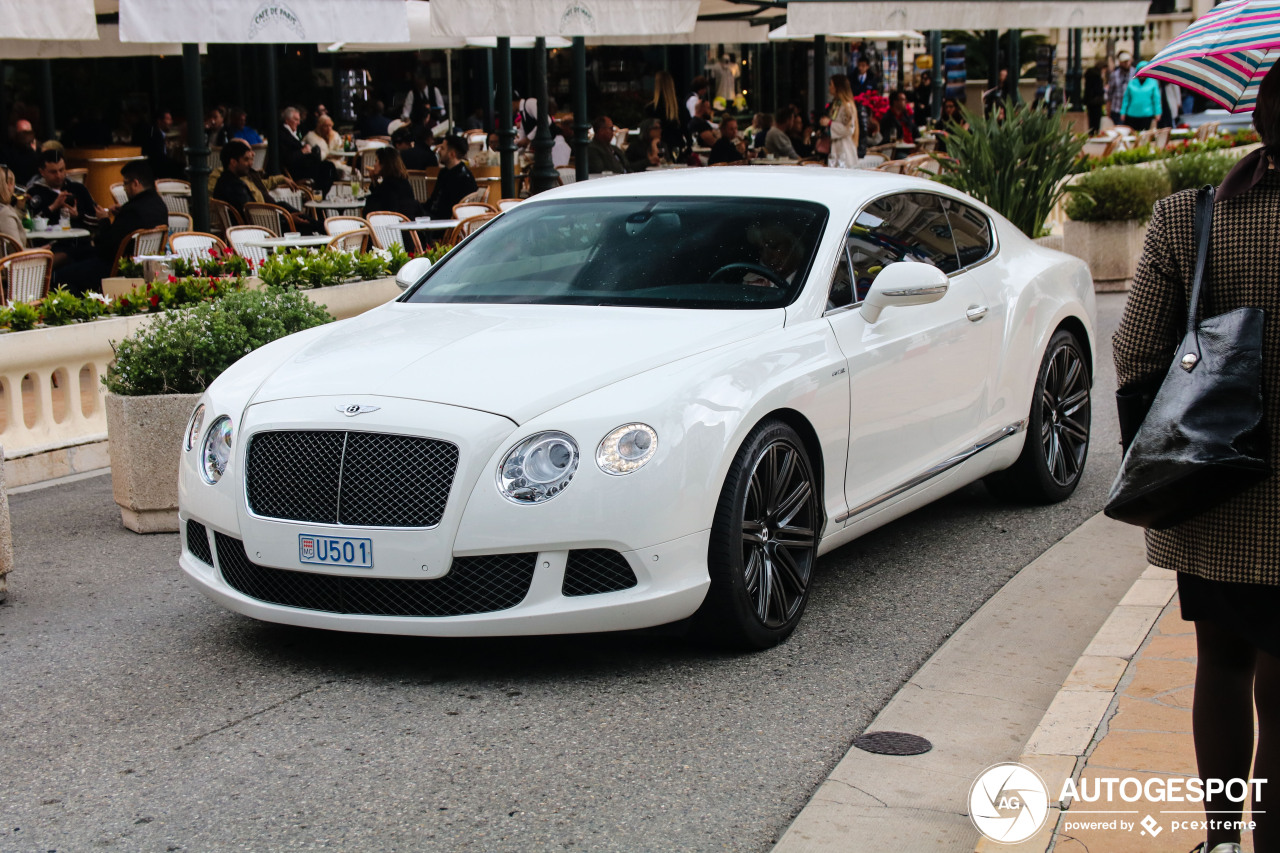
(1141, 101)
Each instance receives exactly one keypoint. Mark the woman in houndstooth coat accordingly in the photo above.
(1227, 558)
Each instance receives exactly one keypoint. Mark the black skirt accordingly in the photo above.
(1249, 610)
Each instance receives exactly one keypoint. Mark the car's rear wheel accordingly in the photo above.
(764, 542)
(1053, 456)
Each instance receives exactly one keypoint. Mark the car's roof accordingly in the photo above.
(838, 189)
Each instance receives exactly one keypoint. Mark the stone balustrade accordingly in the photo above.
(51, 394)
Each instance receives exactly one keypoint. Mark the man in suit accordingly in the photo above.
(864, 80)
(154, 143)
(144, 209)
(301, 160)
(602, 156)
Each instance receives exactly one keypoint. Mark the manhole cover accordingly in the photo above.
(892, 743)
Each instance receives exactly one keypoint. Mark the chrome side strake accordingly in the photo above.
(940, 468)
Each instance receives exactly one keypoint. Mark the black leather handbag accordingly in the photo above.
(1203, 439)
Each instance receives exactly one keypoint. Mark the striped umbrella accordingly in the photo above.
(1225, 54)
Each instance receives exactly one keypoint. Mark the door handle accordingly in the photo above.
(976, 313)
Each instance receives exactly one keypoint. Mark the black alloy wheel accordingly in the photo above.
(1057, 443)
(764, 542)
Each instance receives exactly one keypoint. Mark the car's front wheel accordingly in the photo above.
(1052, 459)
(764, 542)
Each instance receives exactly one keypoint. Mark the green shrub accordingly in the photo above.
(181, 352)
(1195, 170)
(309, 268)
(1128, 157)
(128, 268)
(436, 252)
(60, 307)
(22, 317)
(1118, 193)
(1015, 166)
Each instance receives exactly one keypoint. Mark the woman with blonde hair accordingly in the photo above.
(667, 110)
(10, 220)
(842, 124)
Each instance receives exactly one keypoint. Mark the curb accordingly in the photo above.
(1061, 742)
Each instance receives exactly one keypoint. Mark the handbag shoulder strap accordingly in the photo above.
(1203, 227)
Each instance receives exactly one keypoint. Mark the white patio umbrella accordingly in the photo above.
(822, 17)
(107, 44)
(48, 20)
(560, 18)
(782, 34)
(255, 22)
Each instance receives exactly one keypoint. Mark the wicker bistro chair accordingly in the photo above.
(25, 276)
(467, 227)
(118, 193)
(179, 222)
(236, 235)
(259, 156)
(422, 180)
(468, 209)
(269, 216)
(223, 216)
(144, 241)
(194, 245)
(176, 194)
(8, 246)
(77, 175)
(335, 225)
(351, 241)
(384, 236)
(505, 204)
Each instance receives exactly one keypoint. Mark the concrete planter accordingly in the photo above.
(1050, 241)
(1110, 248)
(117, 286)
(6, 536)
(356, 297)
(145, 435)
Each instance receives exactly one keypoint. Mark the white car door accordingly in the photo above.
(918, 376)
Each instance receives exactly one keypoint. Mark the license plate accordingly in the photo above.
(335, 551)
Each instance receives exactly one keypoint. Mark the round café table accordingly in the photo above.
(58, 234)
(288, 242)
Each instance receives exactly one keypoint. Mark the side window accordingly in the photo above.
(972, 231)
(901, 227)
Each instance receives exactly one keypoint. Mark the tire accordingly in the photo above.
(764, 542)
(1057, 443)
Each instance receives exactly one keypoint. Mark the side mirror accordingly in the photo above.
(412, 271)
(901, 284)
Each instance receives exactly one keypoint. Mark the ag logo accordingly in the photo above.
(1008, 803)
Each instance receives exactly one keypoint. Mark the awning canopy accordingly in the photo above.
(47, 20)
(704, 32)
(831, 16)
(782, 34)
(263, 21)
(106, 44)
(567, 18)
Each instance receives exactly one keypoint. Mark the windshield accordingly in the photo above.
(715, 253)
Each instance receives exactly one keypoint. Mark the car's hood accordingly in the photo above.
(512, 360)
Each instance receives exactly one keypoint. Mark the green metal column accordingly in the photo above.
(197, 143)
(1137, 44)
(1015, 65)
(488, 89)
(272, 117)
(993, 58)
(580, 123)
(544, 175)
(46, 90)
(506, 133)
(819, 73)
(939, 75)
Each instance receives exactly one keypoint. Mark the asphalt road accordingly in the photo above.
(137, 715)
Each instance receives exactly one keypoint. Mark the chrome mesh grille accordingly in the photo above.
(474, 585)
(596, 570)
(359, 479)
(198, 541)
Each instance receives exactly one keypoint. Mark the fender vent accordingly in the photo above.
(198, 542)
(596, 570)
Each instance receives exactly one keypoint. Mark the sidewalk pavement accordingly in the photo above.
(1092, 616)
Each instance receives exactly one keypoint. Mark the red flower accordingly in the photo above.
(155, 301)
(213, 253)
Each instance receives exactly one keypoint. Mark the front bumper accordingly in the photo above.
(671, 582)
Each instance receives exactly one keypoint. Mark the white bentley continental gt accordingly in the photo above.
(632, 401)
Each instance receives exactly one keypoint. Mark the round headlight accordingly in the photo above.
(626, 449)
(216, 452)
(538, 468)
(193, 426)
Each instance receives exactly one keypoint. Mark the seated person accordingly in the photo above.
(729, 148)
(701, 130)
(236, 183)
(328, 142)
(303, 162)
(776, 140)
(51, 193)
(390, 189)
(602, 155)
(239, 129)
(648, 151)
(779, 251)
(415, 155)
(455, 181)
(144, 209)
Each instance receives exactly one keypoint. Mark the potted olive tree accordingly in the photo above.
(1107, 217)
(157, 377)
